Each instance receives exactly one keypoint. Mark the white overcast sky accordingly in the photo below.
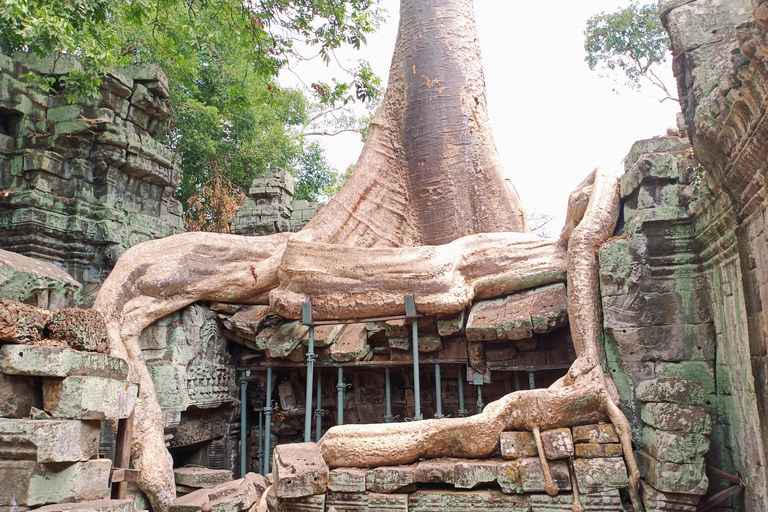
(553, 119)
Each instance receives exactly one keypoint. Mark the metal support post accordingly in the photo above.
(306, 310)
(319, 411)
(480, 404)
(462, 410)
(340, 389)
(438, 393)
(243, 426)
(388, 418)
(260, 453)
(531, 380)
(410, 312)
(268, 421)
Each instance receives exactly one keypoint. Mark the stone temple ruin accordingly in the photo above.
(454, 363)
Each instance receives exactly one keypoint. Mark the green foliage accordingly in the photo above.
(313, 173)
(631, 40)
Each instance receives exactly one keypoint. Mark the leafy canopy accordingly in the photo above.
(631, 40)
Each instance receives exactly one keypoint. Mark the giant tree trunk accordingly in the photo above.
(427, 211)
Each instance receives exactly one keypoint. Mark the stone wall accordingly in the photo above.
(81, 183)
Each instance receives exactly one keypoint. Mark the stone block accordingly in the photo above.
(598, 475)
(671, 390)
(23, 278)
(673, 446)
(671, 477)
(92, 506)
(689, 419)
(557, 443)
(387, 479)
(597, 450)
(516, 445)
(49, 440)
(325, 335)
(21, 323)
(598, 433)
(89, 398)
(658, 501)
(201, 477)
(467, 501)
(285, 339)
(304, 504)
(31, 483)
(17, 396)
(526, 475)
(347, 480)
(49, 361)
(81, 329)
(451, 325)
(300, 470)
(352, 344)
(608, 501)
(234, 496)
(470, 474)
(435, 471)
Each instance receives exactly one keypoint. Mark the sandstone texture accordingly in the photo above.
(300, 470)
(89, 398)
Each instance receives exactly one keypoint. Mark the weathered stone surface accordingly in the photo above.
(92, 506)
(597, 450)
(519, 315)
(656, 500)
(89, 398)
(47, 361)
(355, 502)
(31, 483)
(21, 323)
(454, 501)
(36, 282)
(300, 470)
(388, 479)
(557, 443)
(201, 477)
(352, 344)
(598, 475)
(435, 471)
(347, 480)
(325, 335)
(49, 440)
(234, 496)
(526, 475)
(608, 501)
(81, 329)
(598, 433)
(16, 396)
(451, 325)
(675, 391)
(314, 503)
(673, 446)
(671, 477)
(676, 418)
(470, 474)
(516, 445)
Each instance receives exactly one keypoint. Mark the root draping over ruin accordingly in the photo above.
(426, 212)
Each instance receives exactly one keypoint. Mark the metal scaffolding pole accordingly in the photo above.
(243, 426)
(438, 393)
(260, 454)
(340, 388)
(462, 410)
(410, 312)
(531, 380)
(319, 411)
(388, 394)
(306, 314)
(268, 421)
(480, 404)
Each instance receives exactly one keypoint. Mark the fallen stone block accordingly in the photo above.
(37, 282)
(285, 339)
(234, 496)
(49, 440)
(81, 329)
(671, 390)
(557, 443)
(671, 477)
(435, 471)
(597, 433)
(450, 325)
(347, 480)
(304, 504)
(656, 500)
(92, 506)
(526, 475)
(352, 344)
(47, 361)
(466, 501)
(89, 398)
(201, 477)
(21, 323)
(674, 447)
(470, 474)
(387, 479)
(608, 501)
(300, 470)
(517, 445)
(31, 483)
(598, 475)
(325, 335)
(16, 395)
(597, 450)
(688, 419)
